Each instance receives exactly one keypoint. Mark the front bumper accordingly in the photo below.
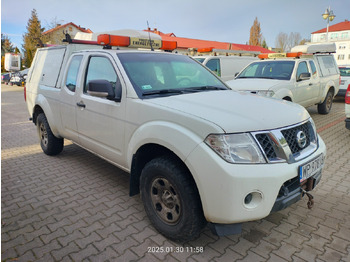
(224, 187)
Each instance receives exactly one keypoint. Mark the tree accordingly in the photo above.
(6, 45)
(304, 41)
(31, 38)
(293, 39)
(282, 41)
(264, 44)
(255, 34)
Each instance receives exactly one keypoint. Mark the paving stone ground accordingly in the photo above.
(75, 206)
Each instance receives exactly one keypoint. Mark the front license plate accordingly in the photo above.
(311, 168)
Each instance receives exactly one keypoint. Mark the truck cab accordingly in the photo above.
(197, 152)
(307, 76)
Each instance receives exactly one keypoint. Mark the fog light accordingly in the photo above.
(248, 199)
(253, 199)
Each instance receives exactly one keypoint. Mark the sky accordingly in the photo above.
(220, 20)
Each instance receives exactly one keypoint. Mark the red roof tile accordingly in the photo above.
(333, 28)
(82, 29)
(185, 43)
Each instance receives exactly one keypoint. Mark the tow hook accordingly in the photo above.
(310, 203)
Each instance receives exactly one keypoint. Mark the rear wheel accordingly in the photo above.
(171, 199)
(325, 107)
(50, 144)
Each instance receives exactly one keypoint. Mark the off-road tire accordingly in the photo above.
(171, 199)
(325, 107)
(50, 144)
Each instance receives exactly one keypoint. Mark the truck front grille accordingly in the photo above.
(289, 144)
(266, 144)
(291, 136)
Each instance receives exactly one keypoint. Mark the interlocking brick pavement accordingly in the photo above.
(75, 206)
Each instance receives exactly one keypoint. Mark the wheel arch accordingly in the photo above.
(42, 105)
(145, 154)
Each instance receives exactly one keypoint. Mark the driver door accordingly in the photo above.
(305, 90)
(100, 121)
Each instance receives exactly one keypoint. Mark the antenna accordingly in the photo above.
(149, 36)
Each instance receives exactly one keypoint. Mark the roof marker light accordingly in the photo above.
(205, 50)
(113, 40)
(135, 42)
(280, 55)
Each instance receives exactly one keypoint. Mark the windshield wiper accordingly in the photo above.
(182, 90)
(260, 77)
(163, 91)
(205, 88)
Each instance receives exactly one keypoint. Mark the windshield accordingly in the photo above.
(161, 74)
(272, 69)
(344, 71)
(199, 59)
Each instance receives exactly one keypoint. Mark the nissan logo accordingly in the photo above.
(301, 139)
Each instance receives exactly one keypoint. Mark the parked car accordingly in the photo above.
(344, 79)
(19, 78)
(5, 78)
(347, 108)
(226, 67)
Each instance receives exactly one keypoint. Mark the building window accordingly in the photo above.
(341, 57)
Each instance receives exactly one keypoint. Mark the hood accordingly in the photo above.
(252, 84)
(235, 112)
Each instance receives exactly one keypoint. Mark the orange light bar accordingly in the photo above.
(169, 45)
(205, 50)
(113, 40)
(280, 55)
(263, 56)
(297, 54)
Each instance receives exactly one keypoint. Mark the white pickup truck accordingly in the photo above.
(308, 76)
(197, 151)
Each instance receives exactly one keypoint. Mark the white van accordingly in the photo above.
(226, 67)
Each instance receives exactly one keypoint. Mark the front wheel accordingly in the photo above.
(325, 107)
(171, 199)
(50, 144)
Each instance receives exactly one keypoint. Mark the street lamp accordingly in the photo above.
(329, 16)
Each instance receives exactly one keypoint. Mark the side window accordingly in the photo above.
(214, 65)
(313, 68)
(100, 68)
(302, 68)
(72, 74)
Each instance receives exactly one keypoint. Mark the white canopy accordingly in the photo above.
(124, 32)
(315, 48)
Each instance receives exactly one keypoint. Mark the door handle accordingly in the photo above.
(310, 84)
(81, 104)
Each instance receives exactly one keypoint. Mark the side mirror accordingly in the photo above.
(304, 76)
(103, 88)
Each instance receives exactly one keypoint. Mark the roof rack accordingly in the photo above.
(213, 51)
(122, 38)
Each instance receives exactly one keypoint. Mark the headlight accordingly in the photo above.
(236, 148)
(267, 93)
(314, 137)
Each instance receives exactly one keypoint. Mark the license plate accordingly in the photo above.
(311, 168)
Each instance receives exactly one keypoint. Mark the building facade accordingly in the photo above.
(338, 34)
(55, 35)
